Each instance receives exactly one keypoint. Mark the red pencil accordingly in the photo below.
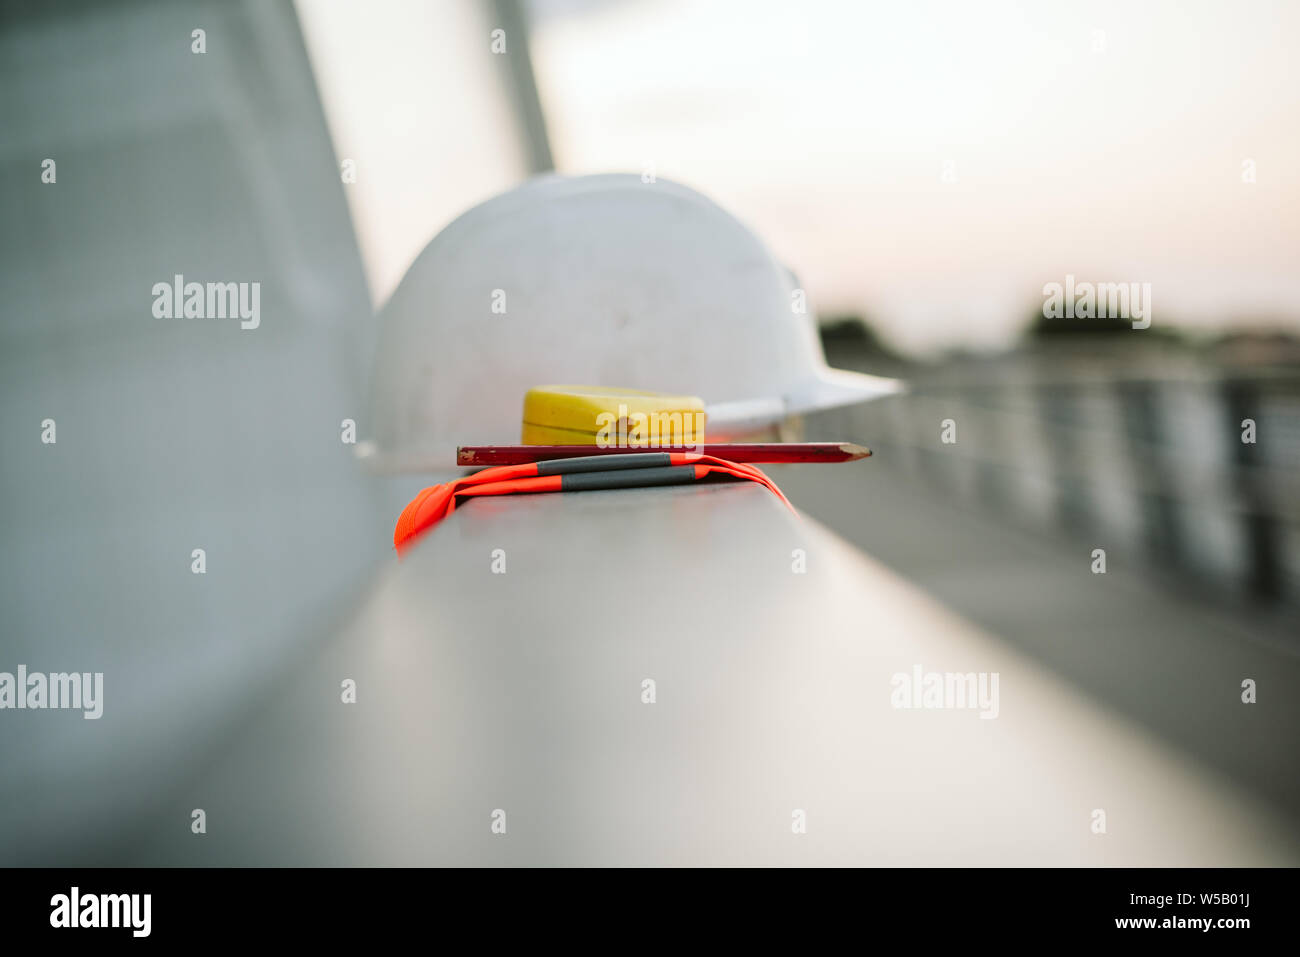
(764, 452)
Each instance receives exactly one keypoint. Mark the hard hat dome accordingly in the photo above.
(604, 280)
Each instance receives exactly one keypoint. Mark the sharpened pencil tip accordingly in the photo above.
(854, 451)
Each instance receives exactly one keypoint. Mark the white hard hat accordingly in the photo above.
(605, 280)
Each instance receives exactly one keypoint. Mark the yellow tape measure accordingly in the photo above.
(597, 415)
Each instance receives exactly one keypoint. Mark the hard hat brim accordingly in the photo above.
(832, 388)
(829, 389)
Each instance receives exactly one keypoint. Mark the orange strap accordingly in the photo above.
(436, 502)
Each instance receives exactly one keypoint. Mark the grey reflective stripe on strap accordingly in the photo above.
(604, 463)
(628, 478)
